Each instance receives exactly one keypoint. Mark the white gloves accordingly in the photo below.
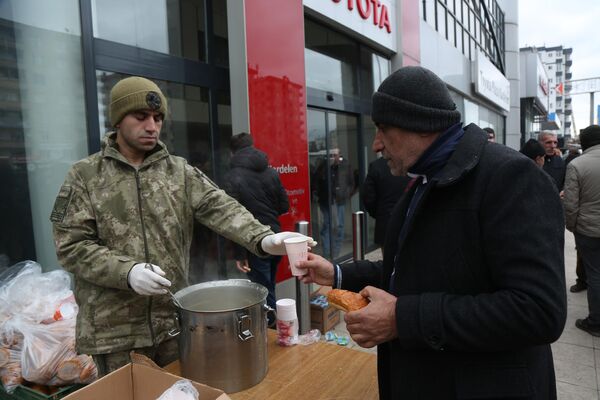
(147, 279)
(273, 244)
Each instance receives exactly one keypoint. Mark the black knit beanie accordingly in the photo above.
(589, 137)
(415, 99)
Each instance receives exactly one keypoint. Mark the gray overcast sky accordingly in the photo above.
(572, 23)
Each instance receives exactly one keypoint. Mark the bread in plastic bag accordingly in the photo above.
(49, 355)
(40, 309)
(181, 390)
(10, 361)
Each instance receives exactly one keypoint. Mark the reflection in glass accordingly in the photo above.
(334, 180)
(329, 60)
(368, 129)
(173, 27)
(42, 121)
(221, 44)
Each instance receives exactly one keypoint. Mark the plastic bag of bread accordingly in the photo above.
(49, 356)
(10, 361)
(25, 278)
(181, 390)
(346, 300)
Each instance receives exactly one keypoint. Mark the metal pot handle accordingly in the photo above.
(268, 310)
(177, 330)
(244, 324)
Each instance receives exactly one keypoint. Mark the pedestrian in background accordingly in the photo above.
(471, 290)
(534, 150)
(574, 152)
(257, 186)
(335, 184)
(491, 135)
(554, 165)
(581, 280)
(123, 225)
(582, 212)
(380, 192)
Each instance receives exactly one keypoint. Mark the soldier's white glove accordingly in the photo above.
(273, 244)
(147, 279)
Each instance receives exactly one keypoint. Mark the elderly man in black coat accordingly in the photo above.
(471, 290)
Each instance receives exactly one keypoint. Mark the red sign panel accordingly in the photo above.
(277, 100)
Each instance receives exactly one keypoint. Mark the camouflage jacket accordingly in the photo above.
(108, 216)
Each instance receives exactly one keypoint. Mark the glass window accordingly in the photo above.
(329, 60)
(42, 121)
(173, 27)
(430, 12)
(373, 70)
(221, 45)
(441, 20)
(471, 112)
(333, 161)
(368, 129)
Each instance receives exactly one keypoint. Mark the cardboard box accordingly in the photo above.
(323, 317)
(140, 380)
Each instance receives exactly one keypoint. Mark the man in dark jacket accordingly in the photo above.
(380, 192)
(333, 191)
(471, 290)
(554, 164)
(257, 187)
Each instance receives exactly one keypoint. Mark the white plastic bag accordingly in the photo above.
(40, 310)
(181, 390)
(49, 357)
(10, 360)
(32, 295)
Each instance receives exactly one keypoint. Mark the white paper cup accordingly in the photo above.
(297, 250)
(286, 309)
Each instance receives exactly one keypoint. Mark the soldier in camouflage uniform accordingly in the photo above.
(123, 222)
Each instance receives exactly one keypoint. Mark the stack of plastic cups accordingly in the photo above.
(287, 322)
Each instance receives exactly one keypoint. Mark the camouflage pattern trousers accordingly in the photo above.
(163, 354)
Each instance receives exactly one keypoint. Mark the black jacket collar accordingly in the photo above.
(465, 157)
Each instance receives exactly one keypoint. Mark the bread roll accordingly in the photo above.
(346, 300)
(4, 356)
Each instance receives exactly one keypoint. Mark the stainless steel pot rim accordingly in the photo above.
(230, 283)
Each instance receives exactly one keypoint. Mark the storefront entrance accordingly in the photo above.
(334, 175)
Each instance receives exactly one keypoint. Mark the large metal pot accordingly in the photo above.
(223, 333)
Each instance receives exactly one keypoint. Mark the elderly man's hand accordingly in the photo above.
(318, 270)
(376, 323)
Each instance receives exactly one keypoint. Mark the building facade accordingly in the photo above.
(558, 62)
(464, 42)
(546, 104)
(297, 75)
(536, 98)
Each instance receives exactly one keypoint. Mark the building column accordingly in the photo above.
(511, 31)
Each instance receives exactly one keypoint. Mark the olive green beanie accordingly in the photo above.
(132, 94)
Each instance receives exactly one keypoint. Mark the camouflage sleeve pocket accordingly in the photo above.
(61, 203)
(205, 178)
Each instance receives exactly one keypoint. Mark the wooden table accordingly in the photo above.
(319, 371)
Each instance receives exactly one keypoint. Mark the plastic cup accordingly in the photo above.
(286, 309)
(297, 250)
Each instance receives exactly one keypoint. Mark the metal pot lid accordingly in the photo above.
(221, 296)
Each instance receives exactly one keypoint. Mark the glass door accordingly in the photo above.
(333, 159)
